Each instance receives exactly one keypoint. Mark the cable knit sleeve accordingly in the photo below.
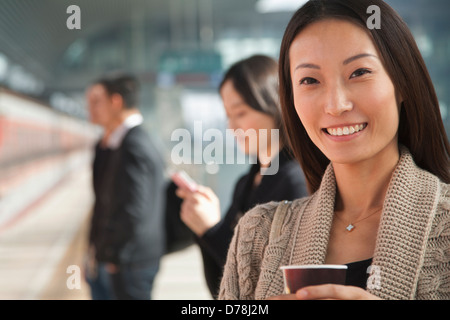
(434, 282)
(245, 254)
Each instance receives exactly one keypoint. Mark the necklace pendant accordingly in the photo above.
(350, 227)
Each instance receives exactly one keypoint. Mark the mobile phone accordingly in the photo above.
(184, 181)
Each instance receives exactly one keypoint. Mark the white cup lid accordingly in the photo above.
(316, 266)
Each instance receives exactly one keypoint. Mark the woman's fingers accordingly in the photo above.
(284, 297)
(334, 292)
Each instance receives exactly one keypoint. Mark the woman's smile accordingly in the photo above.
(345, 132)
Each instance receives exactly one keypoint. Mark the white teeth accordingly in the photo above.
(345, 131)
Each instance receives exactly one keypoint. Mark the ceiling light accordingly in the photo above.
(265, 6)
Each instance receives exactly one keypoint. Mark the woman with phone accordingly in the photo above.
(249, 91)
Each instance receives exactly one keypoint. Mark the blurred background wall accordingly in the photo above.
(178, 49)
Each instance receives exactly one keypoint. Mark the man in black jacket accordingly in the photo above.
(127, 235)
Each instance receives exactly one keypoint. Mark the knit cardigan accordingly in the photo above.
(412, 251)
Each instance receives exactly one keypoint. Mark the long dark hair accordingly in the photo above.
(256, 80)
(421, 128)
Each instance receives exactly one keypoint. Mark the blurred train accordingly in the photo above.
(30, 130)
(39, 148)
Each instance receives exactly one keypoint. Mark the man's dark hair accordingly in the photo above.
(125, 85)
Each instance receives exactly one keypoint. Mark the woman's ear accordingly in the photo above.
(117, 102)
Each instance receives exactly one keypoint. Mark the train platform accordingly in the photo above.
(42, 251)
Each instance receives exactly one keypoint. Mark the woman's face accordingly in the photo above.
(244, 120)
(342, 94)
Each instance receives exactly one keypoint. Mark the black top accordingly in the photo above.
(357, 274)
(287, 184)
(127, 222)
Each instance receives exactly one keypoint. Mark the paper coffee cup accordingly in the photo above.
(297, 277)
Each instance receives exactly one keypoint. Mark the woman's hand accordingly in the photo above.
(328, 292)
(200, 210)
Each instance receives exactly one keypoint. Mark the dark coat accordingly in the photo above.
(287, 184)
(127, 222)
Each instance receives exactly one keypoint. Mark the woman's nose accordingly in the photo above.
(337, 101)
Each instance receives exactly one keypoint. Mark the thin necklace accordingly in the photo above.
(351, 225)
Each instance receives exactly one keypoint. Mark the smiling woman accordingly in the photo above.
(362, 118)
